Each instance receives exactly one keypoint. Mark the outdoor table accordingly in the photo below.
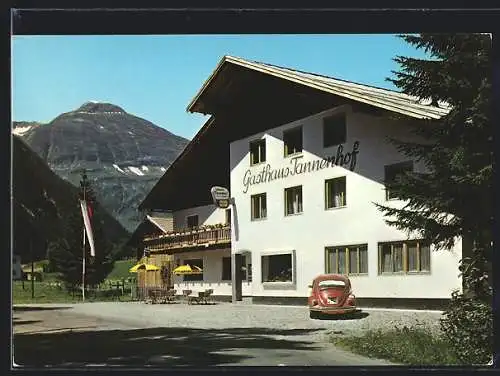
(199, 296)
(161, 296)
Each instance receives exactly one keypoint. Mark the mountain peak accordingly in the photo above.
(100, 107)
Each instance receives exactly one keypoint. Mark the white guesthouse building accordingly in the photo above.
(305, 158)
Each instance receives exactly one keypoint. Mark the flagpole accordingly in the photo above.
(83, 267)
(83, 253)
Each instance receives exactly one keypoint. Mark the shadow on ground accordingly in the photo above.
(348, 316)
(37, 308)
(163, 347)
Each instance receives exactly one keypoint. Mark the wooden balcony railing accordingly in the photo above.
(187, 238)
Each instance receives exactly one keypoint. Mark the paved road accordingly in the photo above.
(137, 334)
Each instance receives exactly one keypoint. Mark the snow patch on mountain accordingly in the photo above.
(118, 168)
(144, 168)
(136, 171)
(163, 169)
(21, 130)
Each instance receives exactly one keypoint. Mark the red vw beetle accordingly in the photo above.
(331, 294)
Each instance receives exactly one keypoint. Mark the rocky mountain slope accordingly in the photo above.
(124, 155)
(42, 202)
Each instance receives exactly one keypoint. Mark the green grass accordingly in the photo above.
(120, 270)
(409, 346)
(44, 293)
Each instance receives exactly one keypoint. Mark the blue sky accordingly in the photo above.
(155, 77)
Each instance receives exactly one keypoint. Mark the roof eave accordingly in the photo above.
(185, 151)
(192, 106)
(414, 113)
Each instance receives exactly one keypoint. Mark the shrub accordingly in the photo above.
(405, 345)
(467, 325)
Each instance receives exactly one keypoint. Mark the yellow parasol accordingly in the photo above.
(187, 270)
(135, 268)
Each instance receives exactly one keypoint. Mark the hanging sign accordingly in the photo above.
(221, 198)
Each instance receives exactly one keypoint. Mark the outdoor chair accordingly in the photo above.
(156, 295)
(196, 298)
(200, 298)
(170, 296)
(151, 297)
(187, 295)
(208, 296)
(161, 295)
(203, 297)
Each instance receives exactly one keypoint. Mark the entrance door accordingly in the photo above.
(236, 277)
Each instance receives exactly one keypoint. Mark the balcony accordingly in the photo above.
(184, 239)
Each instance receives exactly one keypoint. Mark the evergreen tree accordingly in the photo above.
(454, 197)
(66, 253)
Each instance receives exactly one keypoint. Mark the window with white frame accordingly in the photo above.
(259, 206)
(293, 200)
(404, 257)
(292, 141)
(277, 268)
(351, 259)
(335, 193)
(257, 152)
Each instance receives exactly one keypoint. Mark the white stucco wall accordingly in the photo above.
(212, 273)
(207, 215)
(310, 232)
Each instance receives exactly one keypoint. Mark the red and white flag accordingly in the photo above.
(87, 215)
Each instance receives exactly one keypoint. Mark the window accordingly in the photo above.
(292, 140)
(351, 259)
(226, 268)
(259, 206)
(334, 130)
(192, 221)
(404, 257)
(335, 193)
(391, 174)
(257, 152)
(293, 200)
(277, 268)
(228, 216)
(194, 277)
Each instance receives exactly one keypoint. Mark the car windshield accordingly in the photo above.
(331, 283)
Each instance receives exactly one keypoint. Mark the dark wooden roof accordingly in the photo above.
(145, 227)
(242, 102)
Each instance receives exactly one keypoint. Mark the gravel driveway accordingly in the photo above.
(221, 334)
(227, 315)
